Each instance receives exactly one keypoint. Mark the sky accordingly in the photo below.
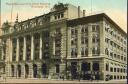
(115, 9)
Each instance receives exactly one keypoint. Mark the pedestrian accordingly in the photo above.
(91, 78)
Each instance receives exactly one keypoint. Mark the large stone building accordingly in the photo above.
(65, 42)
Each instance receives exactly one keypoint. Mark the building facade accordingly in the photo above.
(65, 42)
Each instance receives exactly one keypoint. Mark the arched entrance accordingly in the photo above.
(74, 70)
(44, 70)
(26, 71)
(96, 70)
(85, 67)
(12, 67)
(34, 70)
(19, 70)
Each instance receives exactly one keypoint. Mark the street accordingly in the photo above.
(44, 81)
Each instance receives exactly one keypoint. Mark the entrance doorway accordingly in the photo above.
(12, 67)
(34, 70)
(74, 70)
(85, 67)
(44, 70)
(19, 70)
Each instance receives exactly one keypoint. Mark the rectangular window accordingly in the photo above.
(114, 77)
(111, 69)
(95, 28)
(57, 68)
(118, 70)
(95, 66)
(114, 69)
(62, 15)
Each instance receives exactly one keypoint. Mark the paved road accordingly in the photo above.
(44, 81)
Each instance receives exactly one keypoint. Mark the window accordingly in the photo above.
(121, 70)
(124, 70)
(95, 28)
(111, 43)
(121, 57)
(57, 68)
(114, 69)
(111, 69)
(84, 29)
(73, 31)
(117, 77)
(107, 67)
(84, 51)
(123, 77)
(111, 54)
(62, 15)
(111, 32)
(106, 40)
(118, 56)
(59, 16)
(114, 77)
(114, 55)
(115, 45)
(124, 50)
(95, 50)
(118, 70)
(55, 17)
(120, 77)
(124, 42)
(106, 51)
(95, 40)
(124, 58)
(73, 52)
(96, 66)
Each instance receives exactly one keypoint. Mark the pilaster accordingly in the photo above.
(89, 40)
(17, 50)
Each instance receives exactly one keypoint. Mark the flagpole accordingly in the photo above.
(11, 10)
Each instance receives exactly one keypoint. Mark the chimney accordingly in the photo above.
(78, 11)
(84, 11)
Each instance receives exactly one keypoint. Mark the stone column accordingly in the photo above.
(15, 71)
(79, 42)
(24, 51)
(68, 43)
(17, 50)
(89, 40)
(22, 71)
(41, 46)
(91, 66)
(53, 46)
(32, 47)
(30, 70)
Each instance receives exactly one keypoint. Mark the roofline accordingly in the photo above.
(111, 21)
(100, 17)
